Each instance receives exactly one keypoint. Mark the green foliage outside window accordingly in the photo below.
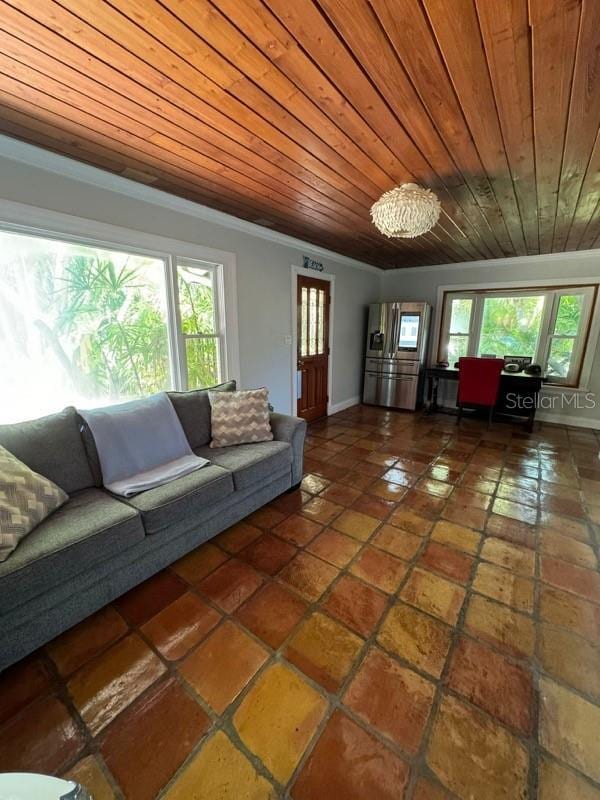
(511, 325)
(196, 304)
(568, 319)
(114, 320)
(90, 325)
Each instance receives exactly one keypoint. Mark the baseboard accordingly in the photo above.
(567, 419)
(557, 419)
(335, 408)
(541, 416)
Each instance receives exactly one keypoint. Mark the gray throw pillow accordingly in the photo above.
(240, 417)
(26, 499)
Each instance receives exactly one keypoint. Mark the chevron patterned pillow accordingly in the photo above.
(239, 417)
(26, 499)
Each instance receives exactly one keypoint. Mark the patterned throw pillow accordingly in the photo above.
(26, 499)
(239, 417)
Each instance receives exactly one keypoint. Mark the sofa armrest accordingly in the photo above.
(292, 430)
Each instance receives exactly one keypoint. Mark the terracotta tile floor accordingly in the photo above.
(421, 620)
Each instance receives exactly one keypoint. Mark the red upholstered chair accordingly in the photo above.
(478, 383)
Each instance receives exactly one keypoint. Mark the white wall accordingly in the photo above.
(422, 284)
(34, 177)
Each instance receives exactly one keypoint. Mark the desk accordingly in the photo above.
(526, 387)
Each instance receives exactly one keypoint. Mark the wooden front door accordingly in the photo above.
(313, 347)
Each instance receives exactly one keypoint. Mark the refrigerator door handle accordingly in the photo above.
(385, 326)
(394, 330)
(392, 376)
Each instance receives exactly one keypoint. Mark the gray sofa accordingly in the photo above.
(97, 546)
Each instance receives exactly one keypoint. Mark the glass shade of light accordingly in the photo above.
(406, 211)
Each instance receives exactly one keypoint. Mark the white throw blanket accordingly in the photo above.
(140, 444)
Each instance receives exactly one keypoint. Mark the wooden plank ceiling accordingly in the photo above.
(298, 114)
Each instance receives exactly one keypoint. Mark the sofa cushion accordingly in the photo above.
(91, 527)
(184, 497)
(250, 463)
(53, 447)
(193, 410)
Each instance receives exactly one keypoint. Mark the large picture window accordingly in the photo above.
(548, 325)
(87, 326)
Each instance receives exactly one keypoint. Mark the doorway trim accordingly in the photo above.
(322, 276)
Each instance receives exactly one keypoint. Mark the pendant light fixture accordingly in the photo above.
(406, 211)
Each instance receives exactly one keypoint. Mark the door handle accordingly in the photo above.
(300, 363)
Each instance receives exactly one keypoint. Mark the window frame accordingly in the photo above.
(447, 319)
(69, 229)
(552, 295)
(219, 334)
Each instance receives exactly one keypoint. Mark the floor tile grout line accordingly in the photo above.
(455, 637)
(593, 529)
(481, 543)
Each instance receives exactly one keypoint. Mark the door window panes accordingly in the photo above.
(312, 321)
(304, 322)
(321, 323)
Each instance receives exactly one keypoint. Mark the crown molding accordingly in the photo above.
(30, 154)
(507, 261)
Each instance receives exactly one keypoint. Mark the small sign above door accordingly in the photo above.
(310, 263)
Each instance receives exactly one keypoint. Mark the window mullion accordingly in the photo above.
(176, 341)
(546, 329)
(220, 321)
(446, 321)
(475, 326)
(172, 324)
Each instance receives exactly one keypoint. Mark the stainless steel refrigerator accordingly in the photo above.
(396, 354)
